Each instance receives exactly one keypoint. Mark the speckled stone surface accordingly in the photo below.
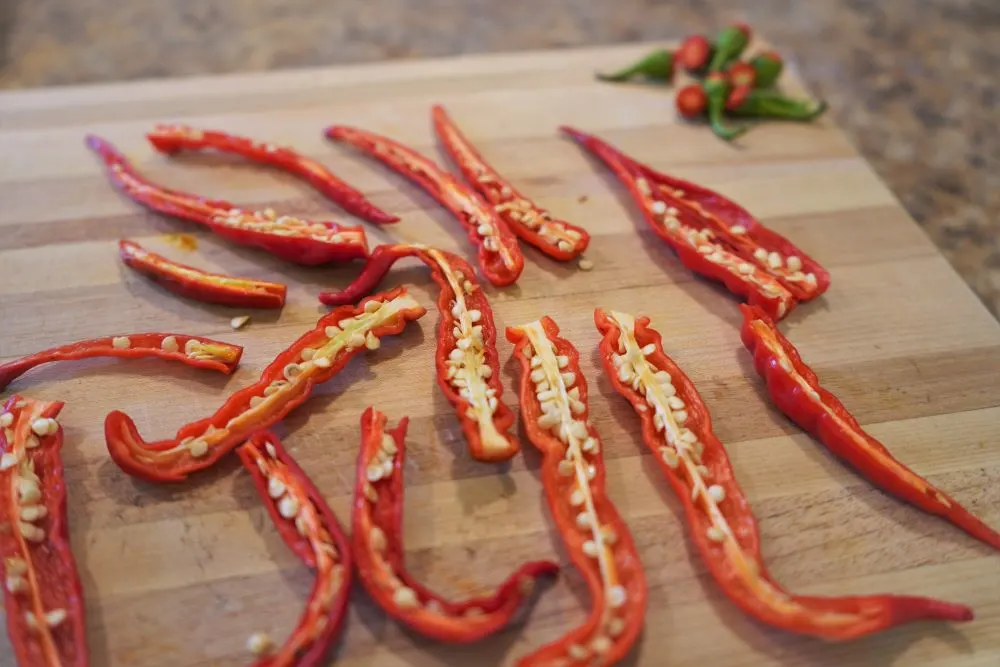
(913, 82)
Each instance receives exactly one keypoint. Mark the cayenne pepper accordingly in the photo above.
(311, 530)
(43, 597)
(286, 383)
(292, 239)
(677, 428)
(171, 139)
(377, 536)
(201, 285)
(500, 256)
(796, 391)
(193, 351)
(532, 224)
(555, 413)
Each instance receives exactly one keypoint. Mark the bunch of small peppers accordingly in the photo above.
(728, 86)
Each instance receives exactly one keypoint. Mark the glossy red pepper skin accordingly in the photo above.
(796, 391)
(377, 537)
(43, 597)
(531, 223)
(554, 411)
(315, 536)
(193, 351)
(172, 139)
(471, 380)
(291, 239)
(202, 285)
(499, 254)
(677, 428)
(286, 383)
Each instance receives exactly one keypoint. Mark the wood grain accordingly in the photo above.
(180, 576)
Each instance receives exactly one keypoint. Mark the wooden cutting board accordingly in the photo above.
(180, 576)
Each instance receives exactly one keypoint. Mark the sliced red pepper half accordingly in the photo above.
(677, 428)
(796, 391)
(311, 530)
(377, 536)
(555, 412)
(201, 285)
(289, 238)
(193, 351)
(286, 383)
(171, 139)
(43, 596)
(468, 367)
(500, 256)
(702, 243)
(556, 238)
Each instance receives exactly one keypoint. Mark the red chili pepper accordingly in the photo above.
(311, 530)
(677, 428)
(796, 391)
(43, 597)
(555, 413)
(741, 74)
(377, 536)
(286, 383)
(713, 236)
(556, 238)
(694, 53)
(201, 285)
(468, 367)
(292, 239)
(691, 101)
(500, 256)
(172, 139)
(193, 351)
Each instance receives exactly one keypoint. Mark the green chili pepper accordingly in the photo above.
(729, 44)
(772, 104)
(768, 66)
(717, 89)
(658, 65)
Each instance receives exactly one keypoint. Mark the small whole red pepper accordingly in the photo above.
(286, 383)
(43, 597)
(500, 256)
(691, 101)
(201, 285)
(193, 351)
(796, 391)
(677, 429)
(694, 53)
(377, 536)
(171, 139)
(311, 530)
(741, 74)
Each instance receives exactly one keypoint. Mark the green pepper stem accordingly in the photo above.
(771, 104)
(656, 65)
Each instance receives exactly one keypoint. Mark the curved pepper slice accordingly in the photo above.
(714, 236)
(171, 139)
(500, 256)
(377, 536)
(556, 238)
(194, 351)
(468, 368)
(286, 383)
(677, 428)
(201, 285)
(43, 597)
(555, 413)
(796, 391)
(311, 530)
(292, 239)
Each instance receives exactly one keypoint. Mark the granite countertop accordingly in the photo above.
(913, 82)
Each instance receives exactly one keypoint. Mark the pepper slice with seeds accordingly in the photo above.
(468, 368)
(286, 383)
(677, 428)
(554, 410)
(796, 391)
(43, 597)
(500, 256)
(290, 238)
(556, 238)
(377, 536)
(189, 350)
(171, 139)
(311, 530)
